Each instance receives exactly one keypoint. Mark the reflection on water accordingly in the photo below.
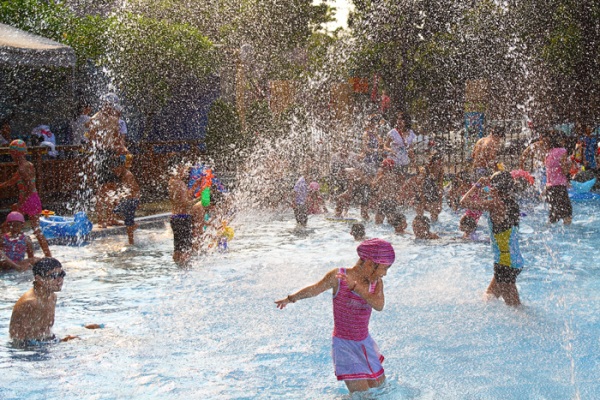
(212, 331)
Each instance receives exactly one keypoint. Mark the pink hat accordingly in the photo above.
(376, 250)
(313, 186)
(15, 216)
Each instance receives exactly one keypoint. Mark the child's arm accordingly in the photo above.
(6, 263)
(375, 300)
(474, 199)
(329, 281)
(30, 252)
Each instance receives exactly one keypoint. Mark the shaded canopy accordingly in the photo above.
(20, 48)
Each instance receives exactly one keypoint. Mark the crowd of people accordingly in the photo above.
(384, 180)
(377, 179)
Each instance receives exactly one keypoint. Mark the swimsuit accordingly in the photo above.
(127, 208)
(355, 354)
(508, 261)
(181, 224)
(32, 205)
(15, 248)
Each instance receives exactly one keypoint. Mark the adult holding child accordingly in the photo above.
(356, 291)
(29, 202)
(494, 195)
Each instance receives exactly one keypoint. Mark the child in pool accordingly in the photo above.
(314, 201)
(356, 291)
(358, 232)
(182, 201)
(421, 226)
(16, 245)
(557, 170)
(504, 217)
(29, 202)
(298, 202)
(398, 222)
(33, 314)
(130, 198)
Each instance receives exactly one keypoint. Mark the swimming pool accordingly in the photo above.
(212, 331)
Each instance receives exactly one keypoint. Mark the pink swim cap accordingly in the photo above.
(313, 186)
(376, 250)
(15, 216)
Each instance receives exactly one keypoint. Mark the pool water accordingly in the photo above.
(212, 331)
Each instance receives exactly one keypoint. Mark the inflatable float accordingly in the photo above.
(54, 226)
(580, 191)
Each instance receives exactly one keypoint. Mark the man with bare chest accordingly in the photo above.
(485, 153)
(33, 314)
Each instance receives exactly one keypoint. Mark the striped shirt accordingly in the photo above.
(351, 313)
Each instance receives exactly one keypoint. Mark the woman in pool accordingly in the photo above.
(356, 291)
(504, 224)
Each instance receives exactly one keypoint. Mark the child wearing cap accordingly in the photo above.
(16, 245)
(29, 202)
(356, 292)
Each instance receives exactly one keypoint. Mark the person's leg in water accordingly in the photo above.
(362, 385)
(493, 288)
(37, 231)
(510, 294)
(504, 285)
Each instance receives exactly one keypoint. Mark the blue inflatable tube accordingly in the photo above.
(66, 227)
(587, 196)
(583, 187)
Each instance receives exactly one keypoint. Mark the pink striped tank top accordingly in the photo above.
(351, 313)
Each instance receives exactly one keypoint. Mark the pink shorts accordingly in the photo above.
(355, 360)
(32, 206)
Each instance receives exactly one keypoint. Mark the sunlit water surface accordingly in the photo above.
(213, 331)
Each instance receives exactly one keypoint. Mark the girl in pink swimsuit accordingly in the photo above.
(29, 202)
(356, 292)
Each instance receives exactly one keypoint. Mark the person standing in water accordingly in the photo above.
(182, 202)
(494, 196)
(356, 291)
(29, 201)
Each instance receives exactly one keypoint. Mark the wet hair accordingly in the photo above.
(397, 219)
(467, 224)
(357, 231)
(503, 181)
(45, 265)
